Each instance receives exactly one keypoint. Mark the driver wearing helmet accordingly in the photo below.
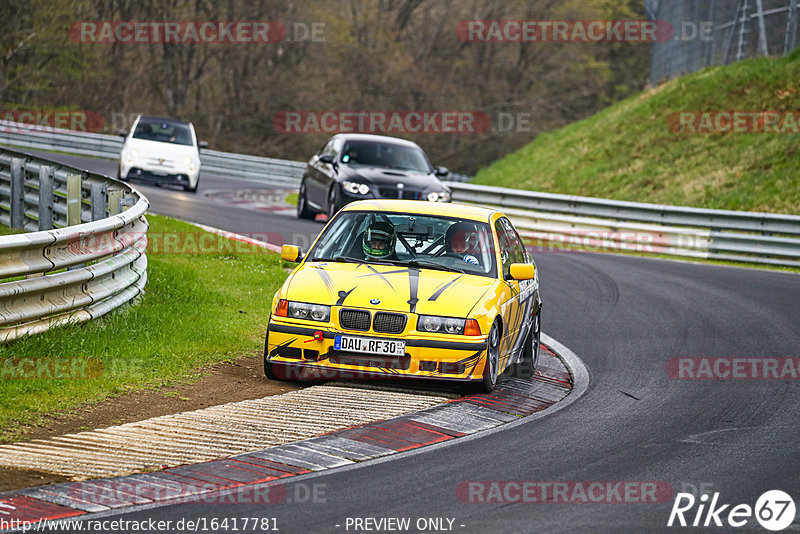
(463, 240)
(379, 241)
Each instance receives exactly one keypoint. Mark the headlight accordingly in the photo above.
(443, 325)
(439, 196)
(303, 310)
(187, 160)
(132, 155)
(355, 188)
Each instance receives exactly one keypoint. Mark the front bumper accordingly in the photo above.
(138, 173)
(291, 348)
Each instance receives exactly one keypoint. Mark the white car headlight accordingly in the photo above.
(187, 160)
(132, 155)
(355, 188)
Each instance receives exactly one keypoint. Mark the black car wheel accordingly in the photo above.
(190, 189)
(333, 202)
(526, 368)
(302, 206)
(490, 370)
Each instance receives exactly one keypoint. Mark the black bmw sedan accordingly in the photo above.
(358, 166)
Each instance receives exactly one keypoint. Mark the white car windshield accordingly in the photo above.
(422, 241)
(163, 131)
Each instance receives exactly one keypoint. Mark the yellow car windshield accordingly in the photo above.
(422, 241)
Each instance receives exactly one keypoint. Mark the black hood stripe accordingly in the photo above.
(343, 296)
(443, 288)
(413, 288)
(379, 274)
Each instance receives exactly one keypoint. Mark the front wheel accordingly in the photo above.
(302, 205)
(333, 202)
(492, 361)
(188, 187)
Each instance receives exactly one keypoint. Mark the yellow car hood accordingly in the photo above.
(398, 288)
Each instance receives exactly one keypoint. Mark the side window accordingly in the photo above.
(512, 249)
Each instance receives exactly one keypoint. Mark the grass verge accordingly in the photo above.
(199, 308)
(628, 151)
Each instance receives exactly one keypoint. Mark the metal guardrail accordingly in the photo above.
(271, 170)
(595, 224)
(84, 254)
(560, 220)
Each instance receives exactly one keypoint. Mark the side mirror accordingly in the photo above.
(326, 158)
(123, 133)
(522, 271)
(203, 144)
(441, 171)
(291, 253)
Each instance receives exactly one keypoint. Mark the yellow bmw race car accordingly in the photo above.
(398, 288)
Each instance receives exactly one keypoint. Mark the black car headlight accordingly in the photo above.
(355, 188)
(439, 196)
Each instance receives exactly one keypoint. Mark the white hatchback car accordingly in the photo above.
(161, 150)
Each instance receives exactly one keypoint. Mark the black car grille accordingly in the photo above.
(389, 323)
(354, 319)
(393, 192)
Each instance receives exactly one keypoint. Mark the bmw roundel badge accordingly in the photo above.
(375, 301)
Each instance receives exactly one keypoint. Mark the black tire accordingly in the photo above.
(490, 370)
(191, 189)
(302, 206)
(333, 202)
(273, 371)
(526, 367)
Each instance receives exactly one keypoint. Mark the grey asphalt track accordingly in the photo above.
(625, 317)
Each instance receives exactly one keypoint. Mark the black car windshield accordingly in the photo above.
(360, 153)
(421, 241)
(163, 131)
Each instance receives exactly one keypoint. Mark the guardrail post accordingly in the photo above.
(73, 199)
(114, 202)
(74, 206)
(99, 201)
(17, 193)
(46, 197)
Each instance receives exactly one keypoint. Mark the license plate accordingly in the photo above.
(384, 347)
(159, 173)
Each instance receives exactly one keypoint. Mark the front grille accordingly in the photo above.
(393, 192)
(401, 363)
(159, 164)
(354, 319)
(389, 323)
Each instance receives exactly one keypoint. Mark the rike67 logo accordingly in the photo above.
(774, 510)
